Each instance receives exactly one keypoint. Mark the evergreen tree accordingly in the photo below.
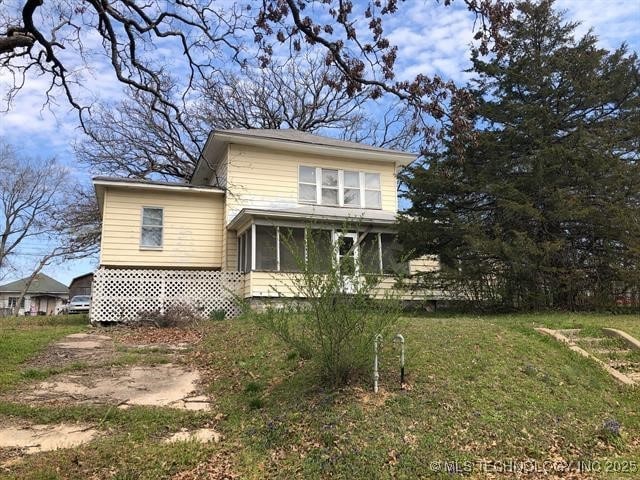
(542, 209)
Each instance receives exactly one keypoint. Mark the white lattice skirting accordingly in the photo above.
(120, 294)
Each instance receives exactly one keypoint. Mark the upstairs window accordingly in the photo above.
(151, 231)
(372, 196)
(352, 189)
(344, 188)
(330, 187)
(307, 184)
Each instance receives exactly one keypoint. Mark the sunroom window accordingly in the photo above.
(266, 248)
(291, 249)
(270, 248)
(390, 254)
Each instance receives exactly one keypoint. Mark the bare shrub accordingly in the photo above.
(179, 314)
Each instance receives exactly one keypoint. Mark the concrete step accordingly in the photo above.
(608, 351)
(591, 339)
(622, 364)
(569, 332)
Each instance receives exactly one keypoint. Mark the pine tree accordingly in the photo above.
(542, 209)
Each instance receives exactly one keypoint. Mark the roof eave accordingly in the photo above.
(399, 158)
(247, 214)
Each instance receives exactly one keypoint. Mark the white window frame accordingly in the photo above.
(340, 188)
(335, 233)
(364, 189)
(300, 200)
(142, 226)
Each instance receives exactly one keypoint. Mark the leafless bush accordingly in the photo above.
(180, 315)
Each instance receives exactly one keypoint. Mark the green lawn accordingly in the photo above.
(23, 337)
(485, 387)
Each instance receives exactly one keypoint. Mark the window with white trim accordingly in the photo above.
(308, 189)
(344, 188)
(151, 230)
(273, 248)
(351, 184)
(13, 301)
(372, 196)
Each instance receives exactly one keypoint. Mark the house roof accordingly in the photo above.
(292, 141)
(100, 183)
(151, 183)
(41, 284)
(80, 277)
(291, 135)
(312, 213)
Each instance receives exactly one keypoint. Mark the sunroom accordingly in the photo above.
(274, 245)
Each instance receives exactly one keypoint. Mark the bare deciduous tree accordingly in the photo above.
(130, 139)
(134, 36)
(59, 41)
(362, 53)
(41, 208)
(28, 199)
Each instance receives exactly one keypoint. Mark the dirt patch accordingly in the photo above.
(148, 336)
(44, 438)
(86, 348)
(166, 385)
(217, 467)
(202, 435)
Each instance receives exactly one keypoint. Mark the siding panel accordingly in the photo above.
(192, 234)
(259, 178)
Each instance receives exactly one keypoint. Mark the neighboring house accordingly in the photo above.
(249, 188)
(44, 296)
(81, 285)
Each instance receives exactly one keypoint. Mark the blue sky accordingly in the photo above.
(431, 40)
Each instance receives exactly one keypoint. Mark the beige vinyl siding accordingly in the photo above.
(220, 179)
(423, 264)
(231, 263)
(268, 179)
(273, 285)
(192, 228)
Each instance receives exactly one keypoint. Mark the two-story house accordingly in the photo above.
(252, 197)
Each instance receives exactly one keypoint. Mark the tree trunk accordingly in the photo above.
(27, 284)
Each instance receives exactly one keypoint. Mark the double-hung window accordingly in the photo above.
(152, 224)
(344, 188)
(372, 197)
(330, 187)
(351, 184)
(308, 189)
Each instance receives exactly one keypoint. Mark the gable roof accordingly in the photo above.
(100, 183)
(80, 277)
(291, 135)
(41, 284)
(292, 141)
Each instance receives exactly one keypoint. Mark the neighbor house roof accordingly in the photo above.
(313, 213)
(292, 141)
(80, 277)
(41, 284)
